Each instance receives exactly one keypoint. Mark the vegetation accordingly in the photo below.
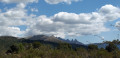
(92, 47)
(111, 47)
(37, 49)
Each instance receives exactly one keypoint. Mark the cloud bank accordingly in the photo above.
(61, 1)
(60, 24)
(47, 1)
(18, 1)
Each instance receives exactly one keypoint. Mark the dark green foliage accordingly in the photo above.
(64, 46)
(14, 48)
(36, 44)
(82, 52)
(20, 47)
(40, 49)
(6, 42)
(92, 47)
(114, 41)
(103, 54)
(28, 45)
(64, 50)
(111, 47)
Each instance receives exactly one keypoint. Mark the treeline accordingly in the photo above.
(63, 50)
(114, 41)
(12, 47)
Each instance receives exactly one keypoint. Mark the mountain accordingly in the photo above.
(6, 41)
(71, 41)
(45, 38)
(38, 37)
(56, 40)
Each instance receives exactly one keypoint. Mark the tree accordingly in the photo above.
(64, 46)
(36, 44)
(111, 47)
(20, 47)
(14, 48)
(115, 41)
(93, 47)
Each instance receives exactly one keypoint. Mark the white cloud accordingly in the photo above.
(61, 1)
(72, 18)
(110, 12)
(10, 31)
(11, 18)
(72, 24)
(60, 24)
(18, 1)
(117, 25)
(21, 5)
(34, 10)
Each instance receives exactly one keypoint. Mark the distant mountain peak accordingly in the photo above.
(73, 41)
(45, 38)
(52, 38)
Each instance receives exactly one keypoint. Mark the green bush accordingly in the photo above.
(111, 47)
(92, 47)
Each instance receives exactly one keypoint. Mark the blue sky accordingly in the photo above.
(62, 18)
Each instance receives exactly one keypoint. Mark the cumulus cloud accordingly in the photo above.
(72, 23)
(110, 12)
(72, 18)
(10, 31)
(61, 24)
(61, 1)
(18, 1)
(11, 18)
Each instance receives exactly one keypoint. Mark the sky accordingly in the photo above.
(88, 21)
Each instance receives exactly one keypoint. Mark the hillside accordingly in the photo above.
(6, 41)
(42, 46)
(45, 38)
